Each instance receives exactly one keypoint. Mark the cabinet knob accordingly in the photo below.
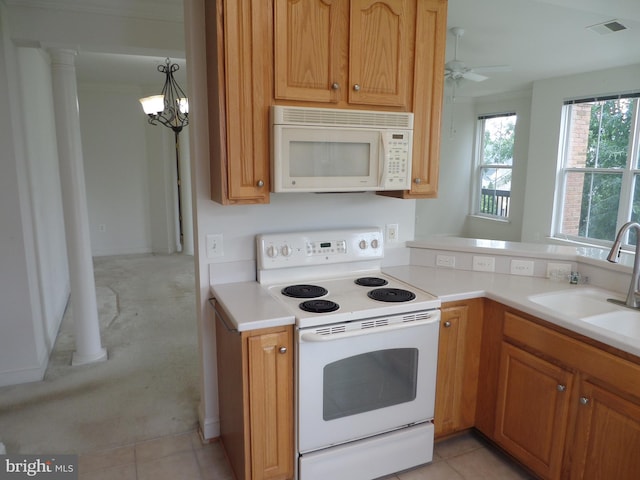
(260, 183)
(282, 350)
(561, 388)
(356, 87)
(584, 400)
(335, 86)
(447, 324)
(418, 181)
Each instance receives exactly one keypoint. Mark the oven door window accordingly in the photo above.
(369, 381)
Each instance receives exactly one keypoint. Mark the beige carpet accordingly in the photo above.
(148, 387)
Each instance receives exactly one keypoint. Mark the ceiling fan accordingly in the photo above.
(456, 70)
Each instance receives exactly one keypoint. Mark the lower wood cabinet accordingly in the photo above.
(255, 383)
(458, 359)
(532, 410)
(606, 443)
(564, 407)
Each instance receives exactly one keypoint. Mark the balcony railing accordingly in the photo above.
(495, 202)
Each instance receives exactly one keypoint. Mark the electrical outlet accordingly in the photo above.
(522, 267)
(214, 245)
(445, 261)
(484, 264)
(392, 232)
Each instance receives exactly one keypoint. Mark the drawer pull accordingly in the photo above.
(447, 324)
(561, 388)
(282, 350)
(584, 401)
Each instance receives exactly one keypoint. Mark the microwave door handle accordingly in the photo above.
(317, 337)
(382, 162)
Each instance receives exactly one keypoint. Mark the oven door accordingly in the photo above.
(358, 383)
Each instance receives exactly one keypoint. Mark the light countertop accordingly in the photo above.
(252, 307)
(511, 290)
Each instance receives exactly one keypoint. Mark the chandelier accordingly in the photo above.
(171, 107)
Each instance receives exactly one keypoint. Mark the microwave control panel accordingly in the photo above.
(396, 148)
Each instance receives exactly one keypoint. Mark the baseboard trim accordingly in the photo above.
(209, 428)
(24, 375)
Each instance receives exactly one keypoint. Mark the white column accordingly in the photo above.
(74, 202)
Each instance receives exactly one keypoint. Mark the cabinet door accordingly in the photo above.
(607, 436)
(532, 410)
(271, 405)
(426, 101)
(458, 364)
(310, 49)
(239, 93)
(381, 49)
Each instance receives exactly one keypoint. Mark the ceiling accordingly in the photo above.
(538, 39)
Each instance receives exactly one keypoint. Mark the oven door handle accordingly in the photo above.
(318, 337)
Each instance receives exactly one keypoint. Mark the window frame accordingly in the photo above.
(479, 166)
(629, 174)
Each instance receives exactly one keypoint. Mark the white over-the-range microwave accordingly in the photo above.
(335, 150)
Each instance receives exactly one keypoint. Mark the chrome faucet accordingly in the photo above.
(614, 256)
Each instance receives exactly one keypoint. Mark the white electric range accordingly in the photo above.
(366, 353)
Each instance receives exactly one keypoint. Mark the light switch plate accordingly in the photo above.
(214, 245)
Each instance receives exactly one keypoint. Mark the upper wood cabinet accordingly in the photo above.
(310, 49)
(362, 54)
(239, 79)
(336, 51)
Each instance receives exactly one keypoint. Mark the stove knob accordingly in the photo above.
(272, 252)
(286, 251)
(375, 243)
(363, 244)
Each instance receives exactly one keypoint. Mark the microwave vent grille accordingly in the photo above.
(343, 118)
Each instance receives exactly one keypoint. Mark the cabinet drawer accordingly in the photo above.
(609, 369)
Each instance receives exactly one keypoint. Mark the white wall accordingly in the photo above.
(44, 179)
(482, 227)
(450, 213)
(34, 283)
(115, 165)
(548, 96)
(33, 277)
(447, 214)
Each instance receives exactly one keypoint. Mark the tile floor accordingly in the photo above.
(185, 457)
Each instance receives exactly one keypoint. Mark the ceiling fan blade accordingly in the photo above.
(492, 68)
(473, 76)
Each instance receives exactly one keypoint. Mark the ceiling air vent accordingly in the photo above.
(612, 26)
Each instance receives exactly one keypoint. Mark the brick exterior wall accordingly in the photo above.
(577, 157)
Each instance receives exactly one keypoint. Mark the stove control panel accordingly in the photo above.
(298, 249)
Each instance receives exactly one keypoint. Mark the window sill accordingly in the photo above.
(490, 218)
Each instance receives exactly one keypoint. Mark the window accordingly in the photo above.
(496, 136)
(600, 175)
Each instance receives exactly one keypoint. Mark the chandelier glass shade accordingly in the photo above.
(171, 107)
